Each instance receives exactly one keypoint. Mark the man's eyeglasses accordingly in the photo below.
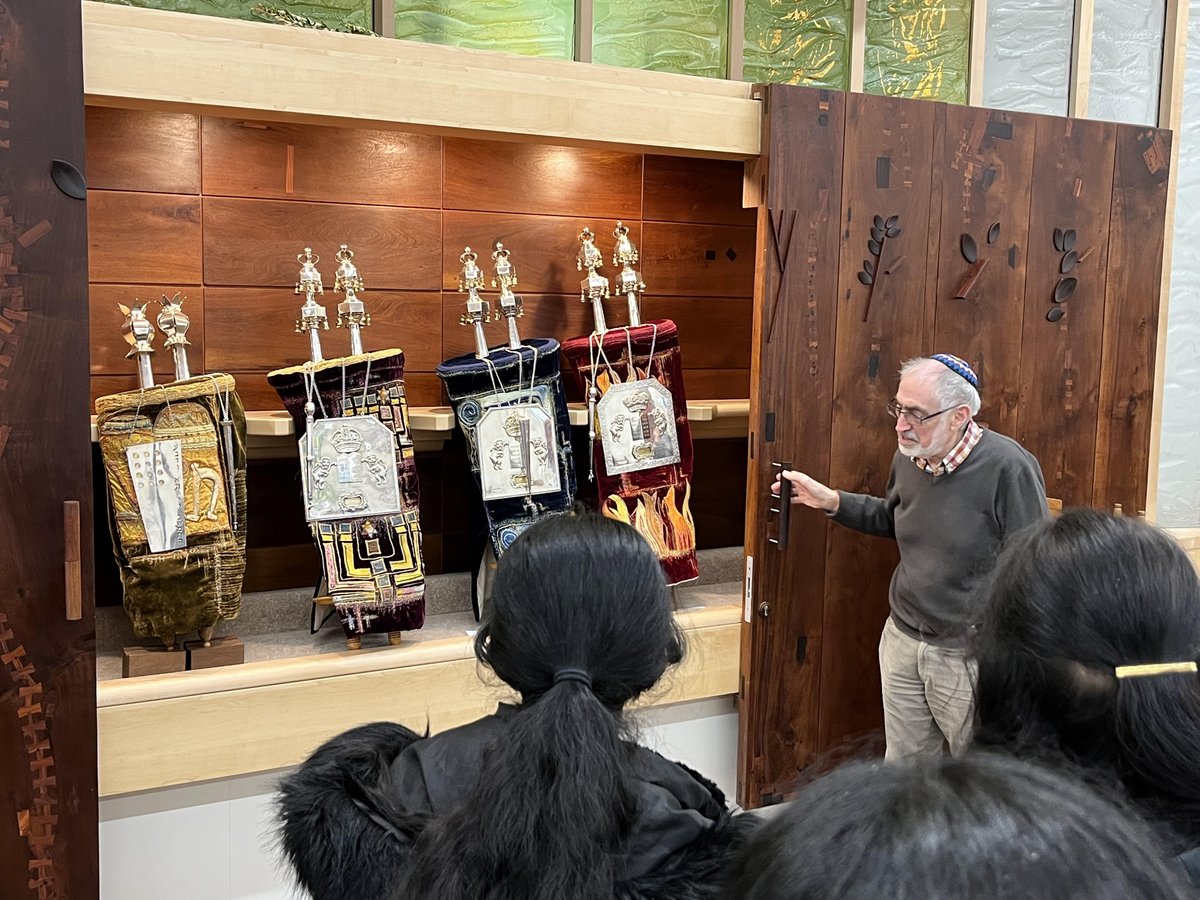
(895, 410)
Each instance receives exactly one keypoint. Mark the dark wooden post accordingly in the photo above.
(48, 812)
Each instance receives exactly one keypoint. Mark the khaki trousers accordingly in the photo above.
(928, 697)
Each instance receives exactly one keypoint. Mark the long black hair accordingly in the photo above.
(555, 798)
(1069, 601)
(979, 826)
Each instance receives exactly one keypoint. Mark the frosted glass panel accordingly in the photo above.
(331, 13)
(798, 42)
(1028, 55)
(686, 36)
(1179, 460)
(918, 48)
(1127, 42)
(528, 27)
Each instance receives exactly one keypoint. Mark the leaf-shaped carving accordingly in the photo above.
(969, 251)
(1068, 261)
(865, 278)
(874, 247)
(994, 233)
(869, 266)
(893, 231)
(877, 221)
(1064, 289)
(877, 234)
(1058, 239)
(892, 221)
(1069, 239)
(1056, 313)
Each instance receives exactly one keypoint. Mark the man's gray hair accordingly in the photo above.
(950, 387)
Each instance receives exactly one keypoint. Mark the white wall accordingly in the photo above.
(212, 841)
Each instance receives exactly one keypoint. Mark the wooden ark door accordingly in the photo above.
(48, 811)
(888, 228)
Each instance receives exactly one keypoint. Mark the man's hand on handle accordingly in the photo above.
(809, 491)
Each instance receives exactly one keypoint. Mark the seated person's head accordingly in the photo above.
(1071, 605)
(580, 593)
(978, 828)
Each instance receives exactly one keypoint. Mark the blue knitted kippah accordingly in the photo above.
(957, 365)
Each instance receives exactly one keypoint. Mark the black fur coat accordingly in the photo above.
(347, 836)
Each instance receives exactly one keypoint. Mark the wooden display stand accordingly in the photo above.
(199, 654)
(222, 651)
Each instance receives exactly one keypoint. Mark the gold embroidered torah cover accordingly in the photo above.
(181, 449)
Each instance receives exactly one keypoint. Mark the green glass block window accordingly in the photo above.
(798, 42)
(685, 36)
(918, 48)
(330, 13)
(529, 27)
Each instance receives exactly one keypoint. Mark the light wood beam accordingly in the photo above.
(737, 39)
(1170, 115)
(858, 45)
(975, 68)
(232, 68)
(1081, 59)
(585, 20)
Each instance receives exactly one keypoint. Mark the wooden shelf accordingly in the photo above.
(164, 730)
(270, 434)
(143, 58)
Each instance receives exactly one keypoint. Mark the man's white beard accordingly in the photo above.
(925, 450)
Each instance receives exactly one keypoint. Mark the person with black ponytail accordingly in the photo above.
(547, 799)
(1088, 651)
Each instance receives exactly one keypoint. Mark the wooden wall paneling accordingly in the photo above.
(543, 248)
(800, 184)
(1132, 294)
(719, 492)
(1060, 361)
(714, 333)
(717, 384)
(255, 242)
(143, 150)
(559, 316)
(48, 808)
(986, 162)
(103, 385)
(136, 238)
(889, 148)
(698, 260)
(408, 320)
(280, 161)
(682, 189)
(508, 178)
(107, 344)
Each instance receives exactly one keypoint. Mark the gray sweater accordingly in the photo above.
(949, 529)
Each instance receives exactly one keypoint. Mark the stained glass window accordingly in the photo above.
(331, 13)
(918, 48)
(529, 27)
(1027, 59)
(685, 36)
(1127, 47)
(798, 42)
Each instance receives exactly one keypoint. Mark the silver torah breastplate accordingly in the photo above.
(636, 421)
(518, 447)
(349, 469)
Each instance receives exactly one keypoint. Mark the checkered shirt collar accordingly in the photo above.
(955, 457)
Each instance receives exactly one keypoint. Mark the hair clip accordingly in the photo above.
(1149, 669)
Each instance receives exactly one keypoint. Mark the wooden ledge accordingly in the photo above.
(166, 730)
(271, 433)
(145, 58)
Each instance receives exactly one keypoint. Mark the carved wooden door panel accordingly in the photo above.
(799, 180)
(48, 846)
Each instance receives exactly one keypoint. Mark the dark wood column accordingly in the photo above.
(48, 812)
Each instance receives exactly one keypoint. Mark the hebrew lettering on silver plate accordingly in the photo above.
(353, 469)
(637, 427)
(518, 445)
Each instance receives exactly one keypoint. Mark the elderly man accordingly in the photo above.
(955, 493)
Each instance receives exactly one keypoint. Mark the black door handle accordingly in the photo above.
(784, 509)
